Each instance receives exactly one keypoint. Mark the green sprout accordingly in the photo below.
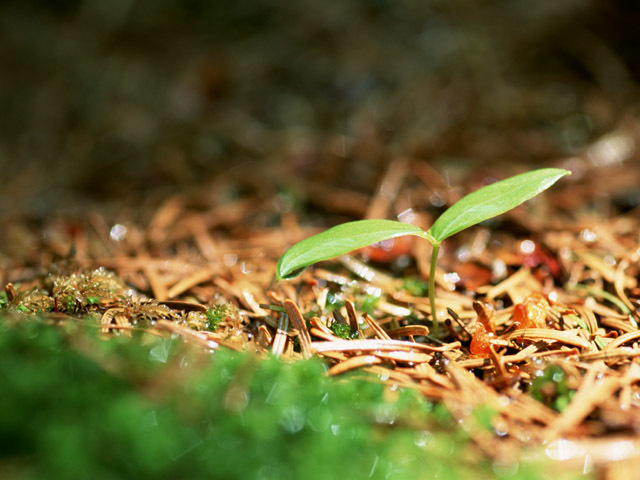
(486, 202)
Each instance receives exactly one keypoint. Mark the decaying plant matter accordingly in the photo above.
(540, 311)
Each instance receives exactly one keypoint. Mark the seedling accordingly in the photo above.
(486, 202)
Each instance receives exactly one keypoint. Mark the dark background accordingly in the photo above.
(126, 100)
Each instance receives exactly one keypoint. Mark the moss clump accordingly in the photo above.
(343, 330)
(552, 388)
(122, 410)
(218, 313)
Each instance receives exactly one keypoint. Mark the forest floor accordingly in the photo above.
(158, 163)
(561, 266)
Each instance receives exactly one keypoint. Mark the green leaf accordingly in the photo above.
(340, 240)
(494, 199)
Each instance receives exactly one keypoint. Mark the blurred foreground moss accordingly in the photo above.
(76, 406)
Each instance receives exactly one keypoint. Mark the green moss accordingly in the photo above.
(415, 286)
(343, 330)
(484, 416)
(551, 388)
(367, 303)
(71, 304)
(154, 408)
(217, 314)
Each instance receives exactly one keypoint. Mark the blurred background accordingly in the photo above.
(120, 104)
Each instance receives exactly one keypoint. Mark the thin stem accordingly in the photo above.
(427, 235)
(432, 288)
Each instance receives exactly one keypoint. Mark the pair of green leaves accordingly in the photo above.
(485, 203)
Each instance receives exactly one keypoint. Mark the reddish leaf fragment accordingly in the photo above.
(541, 257)
(485, 331)
(532, 312)
(480, 344)
(473, 275)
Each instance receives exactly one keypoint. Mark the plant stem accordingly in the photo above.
(432, 288)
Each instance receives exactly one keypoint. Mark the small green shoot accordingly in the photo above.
(486, 202)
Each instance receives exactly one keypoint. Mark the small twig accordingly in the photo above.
(455, 316)
(185, 284)
(299, 324)
(379, 331)
(353, 363)
(280, 338)
(352, 316)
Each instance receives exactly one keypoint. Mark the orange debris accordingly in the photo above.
(532, 312)
(485, 331)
